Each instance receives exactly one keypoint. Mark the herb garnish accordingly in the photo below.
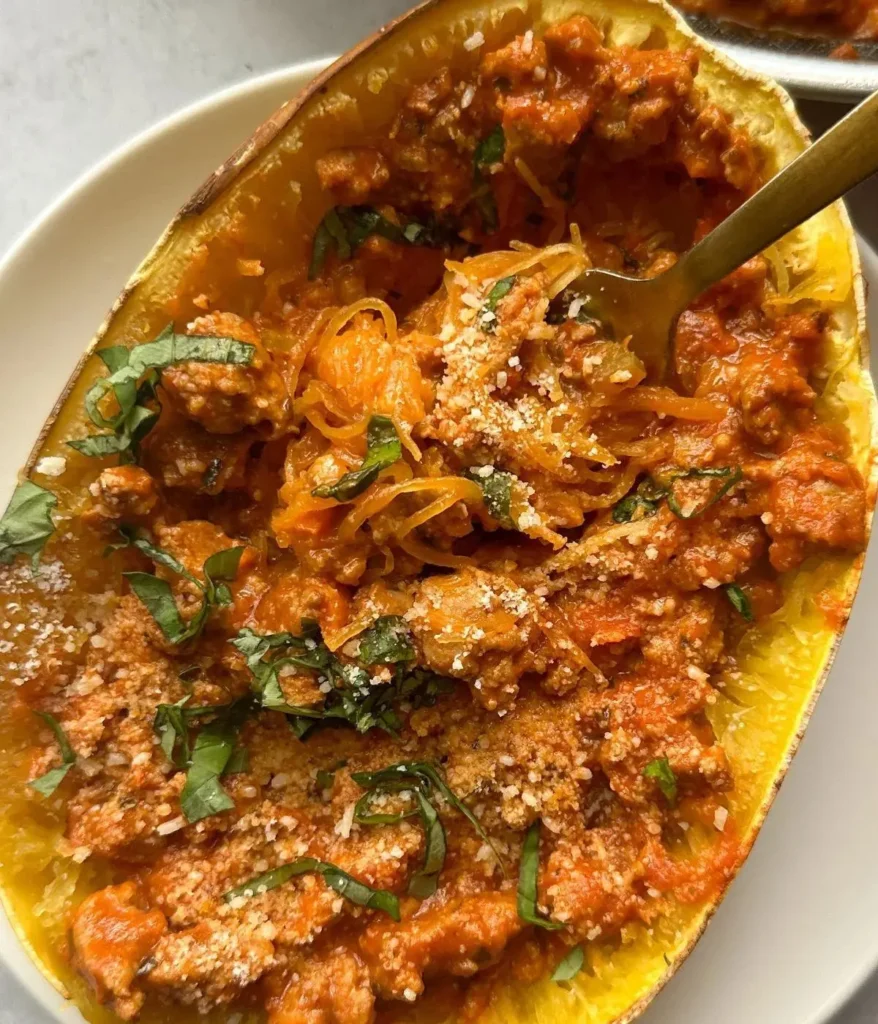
(387, 641)
(51, 780)
(487, 314)
(497, 494)
(343, 883)
(325, 777)
(730, 474)
(739, 601)
(527, 882)
(27, 523)
(172, 729)
(645, 500)
(158, 598)
(660, 771)
(134, 375)
(642, 504)
(212, 753)
(383, 448)
(490, 151)
(570, 965)
(352, 699)
(345, 228)
(419, 779)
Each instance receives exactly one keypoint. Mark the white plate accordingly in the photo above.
(798, 933)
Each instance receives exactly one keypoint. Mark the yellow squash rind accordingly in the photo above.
(269, 190)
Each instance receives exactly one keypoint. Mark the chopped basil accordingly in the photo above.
(731, 475)
(47, 783)
(345, 228)
(211, 474)
(172, 730)
(527, 882)
(158, 598)
(491, 149)
(419, 778)
(425, 881)
(487, 314)
(387, 641)
(326, 776)
(660, 771)
(27, 523)
(352, 698)
(644, 502)
(739, 601)
(634, 508)
(134, 375)
(330, 231)
(570, 966)
(343, 883)
(238, 762)
(203, 794)
(497, 495)
(383, 448)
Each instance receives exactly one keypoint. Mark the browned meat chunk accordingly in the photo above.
(120, 493)
(353, 174)
(112, 937)
(226, 398)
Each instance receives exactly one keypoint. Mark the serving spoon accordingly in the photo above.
(647, 309)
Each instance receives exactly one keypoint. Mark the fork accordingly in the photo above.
(647, 309)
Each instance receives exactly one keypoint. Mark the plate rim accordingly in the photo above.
(22, 964)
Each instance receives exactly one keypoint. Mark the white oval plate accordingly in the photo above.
(797, 934)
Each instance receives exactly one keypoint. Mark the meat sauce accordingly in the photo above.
(836, 19)
(434, 520)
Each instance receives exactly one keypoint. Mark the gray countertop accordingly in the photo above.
(79, 77)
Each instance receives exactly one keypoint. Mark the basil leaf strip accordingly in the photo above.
(383, 448)
(352, 699)
(487, 314)
(644, 502)
(421, 778)
(570, 966)
(345, 228)
(496, 494)
(660, 771)
(326, 776)
(527, 882)
(330, 231)
(47, 783)
(387, 641)
(158, 597)
(739, 601)
(634, 508)
(731, 475)
(170, 725)
(202, 794)
(346, 885)
(491, 149)
(27, 523)
(134, 375)
(424, 882)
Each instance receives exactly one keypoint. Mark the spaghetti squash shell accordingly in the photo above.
(265, 202)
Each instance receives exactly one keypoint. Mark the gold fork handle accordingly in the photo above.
(842, 158)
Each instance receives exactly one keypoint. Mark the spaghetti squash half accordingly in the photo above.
(381, 644)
